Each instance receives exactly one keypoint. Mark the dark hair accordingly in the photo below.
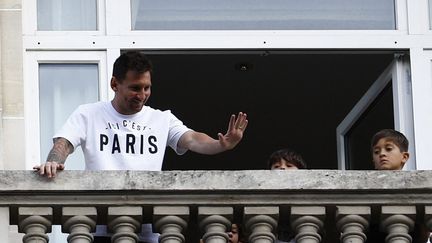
(131, 61)
(288, 155)
(394, 136)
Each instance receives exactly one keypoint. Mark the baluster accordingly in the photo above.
(4, 223)
(397, 222)
(261, 222)
(79, 222)
(171, 223)
(124, 222)
(307, 222)
(215, 221)
(352, 222)
(35, 222)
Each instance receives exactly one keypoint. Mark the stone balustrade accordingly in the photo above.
(306, 206)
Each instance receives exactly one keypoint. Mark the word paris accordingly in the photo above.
(128, 143)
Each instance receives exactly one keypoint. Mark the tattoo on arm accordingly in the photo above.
(60, 151)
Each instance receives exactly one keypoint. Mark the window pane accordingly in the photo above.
(66, 14)
(262, 15)
(380, 115)
(62, 88)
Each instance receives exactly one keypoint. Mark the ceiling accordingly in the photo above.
(292, 99)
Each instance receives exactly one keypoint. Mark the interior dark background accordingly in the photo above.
(292, 99)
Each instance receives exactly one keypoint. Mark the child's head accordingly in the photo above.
(286, 159)
(389, 150)
(235, 234)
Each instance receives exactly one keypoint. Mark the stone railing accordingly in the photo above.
(185, 206)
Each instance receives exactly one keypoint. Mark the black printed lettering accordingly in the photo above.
(103, 141)
(152, 140)
(116, 144)
(142, 144)
(130, 143)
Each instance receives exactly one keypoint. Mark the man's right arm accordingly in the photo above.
(56, 158)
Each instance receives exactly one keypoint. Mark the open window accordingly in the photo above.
(386, 104)
(293, 99)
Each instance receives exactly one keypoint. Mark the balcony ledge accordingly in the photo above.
(218, 181)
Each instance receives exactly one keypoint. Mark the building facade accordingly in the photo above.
(321, 77)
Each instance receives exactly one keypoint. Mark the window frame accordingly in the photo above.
(31, 91)
(399, 73)
(124, 26)
(115, 34)
(30, 21)
(421, 74)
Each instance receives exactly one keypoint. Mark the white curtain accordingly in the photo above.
(262, 15)
(67, 15)
(62, 88)
(430, 14)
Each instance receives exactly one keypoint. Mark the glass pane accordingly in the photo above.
(262, 15)
(62, 88)
(67, 15)
(379, 116)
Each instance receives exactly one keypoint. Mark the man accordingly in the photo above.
(124, 134)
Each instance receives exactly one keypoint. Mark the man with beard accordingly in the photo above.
(124, 134)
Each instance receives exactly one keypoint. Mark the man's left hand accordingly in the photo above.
(236, 127)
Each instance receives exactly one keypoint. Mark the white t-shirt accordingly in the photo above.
(112, 141)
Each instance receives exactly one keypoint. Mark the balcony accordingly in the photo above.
(312, 205)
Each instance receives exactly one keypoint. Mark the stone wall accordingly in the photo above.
(11, 86)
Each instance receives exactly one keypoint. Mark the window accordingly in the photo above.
(62, 88)
(292, 99)
(56, 83)
(67, 15)
(386, 104)
(263, 15)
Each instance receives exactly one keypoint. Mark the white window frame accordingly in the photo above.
(421, 73)
(124, 26)
(114, 33)
(31, 91)
(398, 72)
(115, 19)
(29, 16)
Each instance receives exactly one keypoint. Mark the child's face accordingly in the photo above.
(387, 156)
(283, 165)
(234, 234)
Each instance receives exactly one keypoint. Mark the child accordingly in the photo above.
(389, 150)
(286, 159)
(236, 234)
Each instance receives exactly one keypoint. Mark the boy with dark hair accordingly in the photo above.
(286, 159)
(389, 150)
